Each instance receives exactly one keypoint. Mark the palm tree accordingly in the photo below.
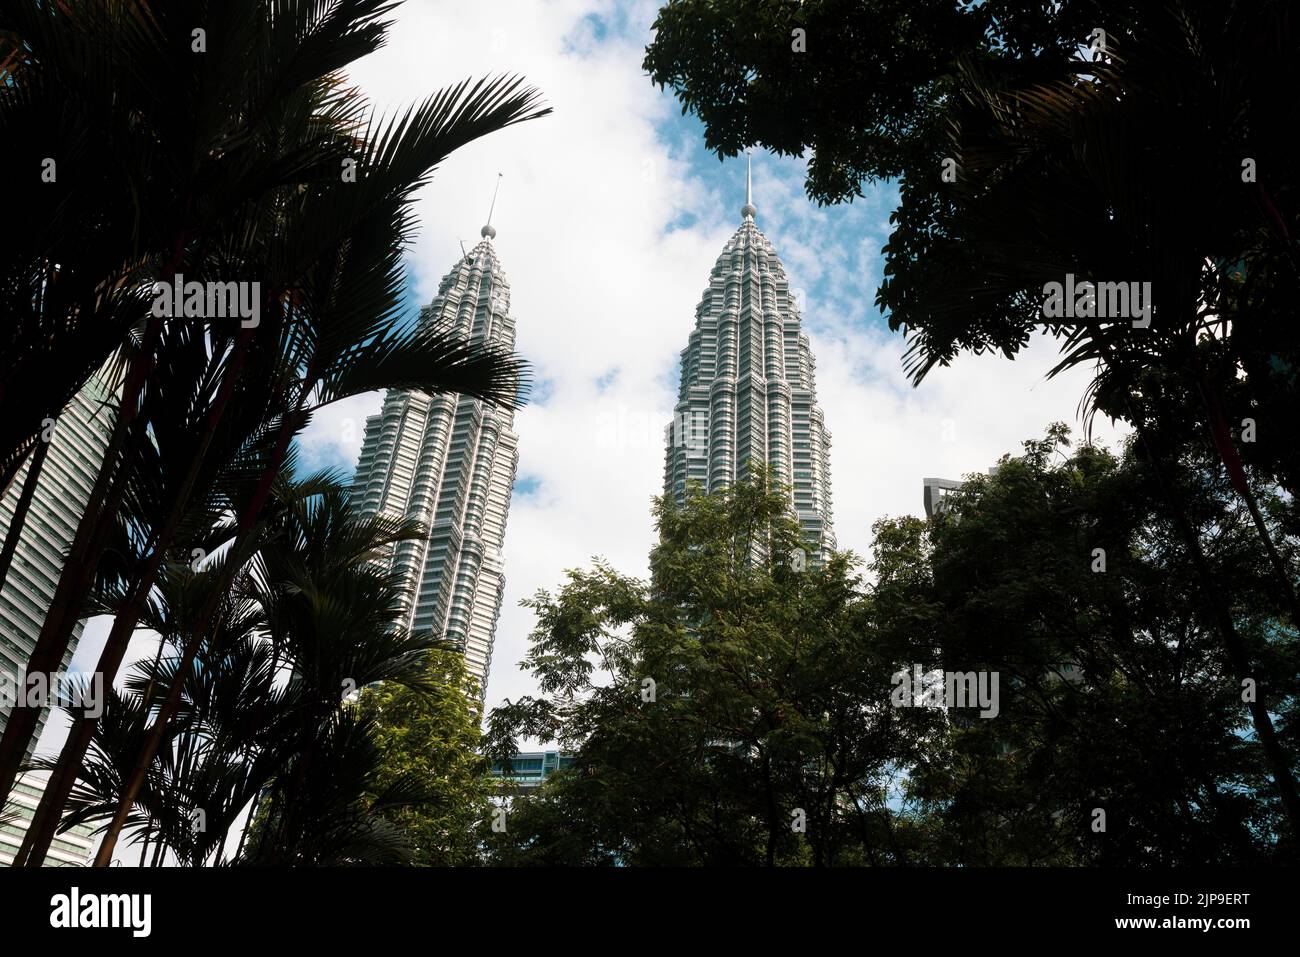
(339, 345)
(247, 181)
(263, 710)
(333, 815)
(332, 612)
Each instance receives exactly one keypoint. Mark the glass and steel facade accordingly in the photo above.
(72, 848)
(747, 393)
(78, 440)
(529, 769)
(449, 462)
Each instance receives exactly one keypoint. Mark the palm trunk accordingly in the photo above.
(144, 846)
(40, 833)
(48, 813)
(11, 472)
(88, 545)
(8, 60)
(75, 581)
(91, 537)
(153, 738)
(172, 702)
(21, 509)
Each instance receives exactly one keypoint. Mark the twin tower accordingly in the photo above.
(747, 398)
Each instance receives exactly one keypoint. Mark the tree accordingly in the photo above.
(266, 718)
(243, 177)
(1028, 142)
(868, 95)
(1063, 574)
(730, 711)
(433, 736)
(730, 698)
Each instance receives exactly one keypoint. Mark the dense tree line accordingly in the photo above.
(735, 710)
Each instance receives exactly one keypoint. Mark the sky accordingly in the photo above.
(610, 216)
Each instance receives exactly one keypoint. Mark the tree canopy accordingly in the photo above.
(735, 710)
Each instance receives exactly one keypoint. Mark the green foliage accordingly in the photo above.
(223, 166)
(432, 735)
(1155, 156)
(1115, 692)
(772, 688)
(711, 706)
(264, 715)
(867, 97)
(1122, 164)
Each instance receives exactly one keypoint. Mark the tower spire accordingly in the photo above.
(790, 436)
(748, 210)
(487, 232)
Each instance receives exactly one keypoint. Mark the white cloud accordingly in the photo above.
(887, 436)
(597, 284)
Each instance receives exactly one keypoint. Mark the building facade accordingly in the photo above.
(77, 442)
(77, 439)
(528, 769)
(449, 462)
(936, 490)
(747, 394)
(73, 848)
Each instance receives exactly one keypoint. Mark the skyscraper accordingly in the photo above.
(77, 443)
(936, 490)
(449, 461)
(73, 848)
(530, 769)
(747, 394)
